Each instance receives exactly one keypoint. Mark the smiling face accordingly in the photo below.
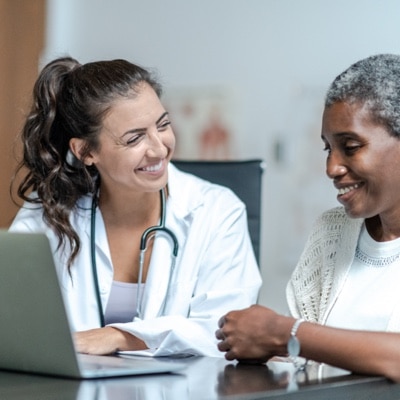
(363, 161)
(136, 144)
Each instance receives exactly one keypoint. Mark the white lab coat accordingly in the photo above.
(215, 270)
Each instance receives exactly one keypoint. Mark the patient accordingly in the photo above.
(343, 295)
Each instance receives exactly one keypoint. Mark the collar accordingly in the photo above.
(185, 193)
(185, 196)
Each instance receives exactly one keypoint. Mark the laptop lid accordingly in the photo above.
(35, 334)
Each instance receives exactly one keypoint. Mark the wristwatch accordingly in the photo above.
(293, 345)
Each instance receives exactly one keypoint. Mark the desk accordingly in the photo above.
(206, 378)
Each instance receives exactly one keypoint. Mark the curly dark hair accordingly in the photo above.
(70, 100)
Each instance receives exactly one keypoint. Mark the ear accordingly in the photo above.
(77, 147)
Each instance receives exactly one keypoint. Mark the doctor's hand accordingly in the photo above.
(106, 340)
(253, 335)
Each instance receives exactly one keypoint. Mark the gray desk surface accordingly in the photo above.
(206, 378)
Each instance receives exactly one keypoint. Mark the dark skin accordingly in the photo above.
(363, 160)
(256, 334)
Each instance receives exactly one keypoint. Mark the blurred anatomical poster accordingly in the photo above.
(203, 120)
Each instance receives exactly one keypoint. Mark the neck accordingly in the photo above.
(137, 208)
(380, 230)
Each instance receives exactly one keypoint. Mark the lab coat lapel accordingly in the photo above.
(179, 209)
(160, 276)
(101, 241)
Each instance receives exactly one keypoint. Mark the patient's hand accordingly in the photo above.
(253, 335)
(106, 340)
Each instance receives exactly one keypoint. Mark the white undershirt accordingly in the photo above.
(121, 306)
(371, 289)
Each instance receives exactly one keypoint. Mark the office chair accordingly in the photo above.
(243, 177)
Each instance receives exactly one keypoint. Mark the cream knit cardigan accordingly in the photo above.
(321, 271)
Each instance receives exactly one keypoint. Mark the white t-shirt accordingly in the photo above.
(371, 289)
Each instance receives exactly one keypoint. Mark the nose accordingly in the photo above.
(335, 167)
(156, 147)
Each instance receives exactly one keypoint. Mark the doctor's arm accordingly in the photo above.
(257, 334)
(106, 340)
(218, 272)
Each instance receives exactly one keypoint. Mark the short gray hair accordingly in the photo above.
(373, 82)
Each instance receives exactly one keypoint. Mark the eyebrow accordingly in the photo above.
(137, 130)
(341, 134)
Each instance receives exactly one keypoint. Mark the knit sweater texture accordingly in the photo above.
(319, 276)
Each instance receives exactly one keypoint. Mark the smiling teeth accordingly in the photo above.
(347, 189)
(153, 168)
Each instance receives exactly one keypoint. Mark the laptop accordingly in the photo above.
(35, 335)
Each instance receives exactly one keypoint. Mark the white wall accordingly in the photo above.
(278, 55)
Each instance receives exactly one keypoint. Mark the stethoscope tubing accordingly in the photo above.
(146, 236)
(93, 259)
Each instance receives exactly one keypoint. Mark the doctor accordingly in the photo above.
(97, 150)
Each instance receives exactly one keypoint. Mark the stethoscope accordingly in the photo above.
(147, 234)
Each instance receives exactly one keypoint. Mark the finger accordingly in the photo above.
(229, 355)
(223, 346)
(219, 334)
(221, 321)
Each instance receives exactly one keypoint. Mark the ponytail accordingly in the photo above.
(70, 101)
(44, 157)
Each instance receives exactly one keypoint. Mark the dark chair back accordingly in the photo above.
(243, 177)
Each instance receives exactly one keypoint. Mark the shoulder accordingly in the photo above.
(30, 216)
(194, 191)
(336, 214)
(335, 221)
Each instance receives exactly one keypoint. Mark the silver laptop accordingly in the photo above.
(35, 334)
